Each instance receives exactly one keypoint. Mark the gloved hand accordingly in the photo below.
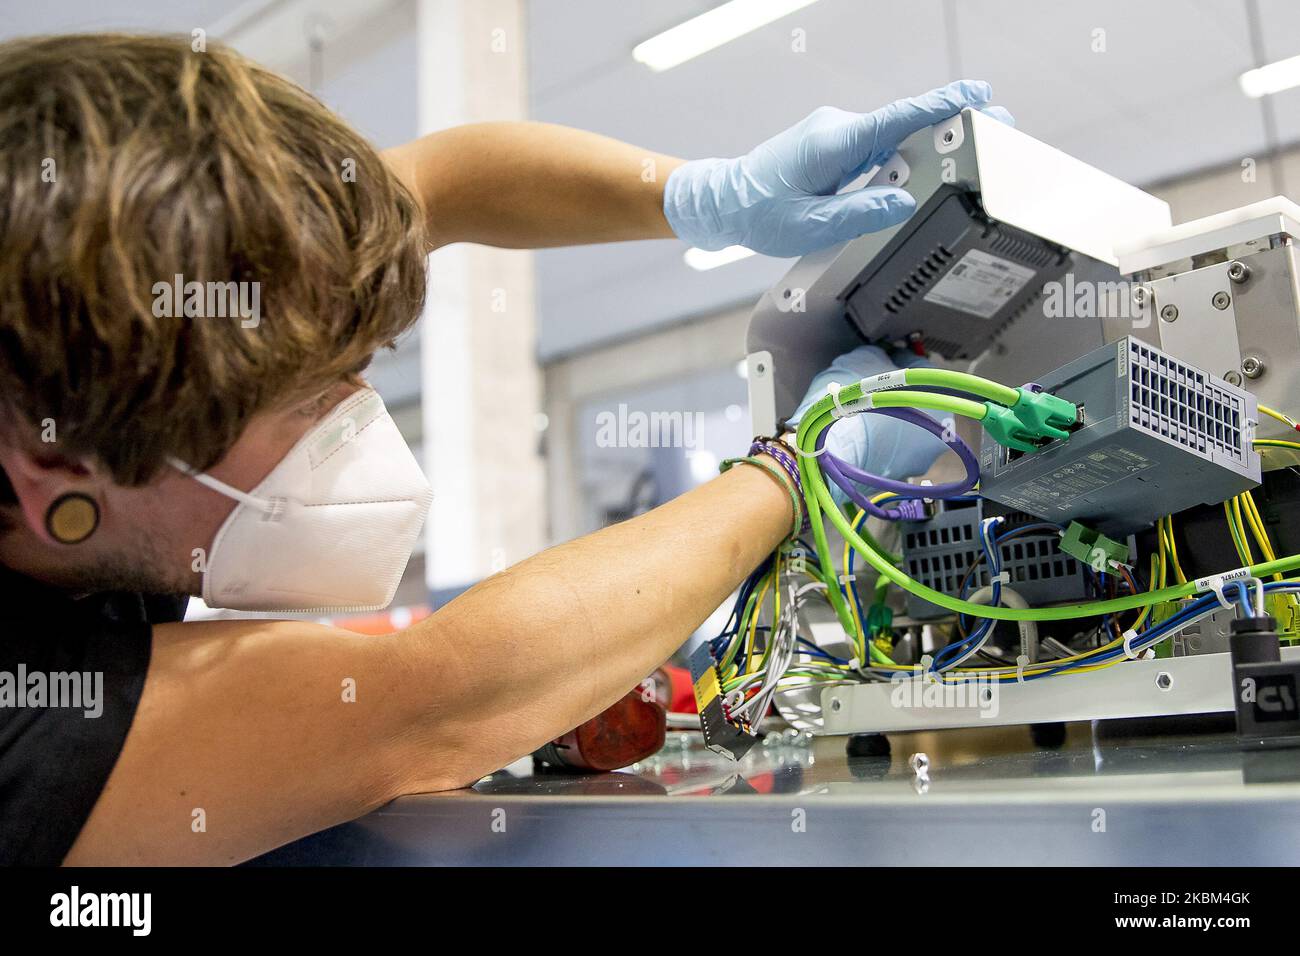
(876, 443)
(780, 200)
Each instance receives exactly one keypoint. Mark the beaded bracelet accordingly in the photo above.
(781, 478)
(779, 451)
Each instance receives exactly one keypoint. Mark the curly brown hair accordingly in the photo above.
(126, 161)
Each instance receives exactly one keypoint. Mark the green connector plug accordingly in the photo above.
(1006, 429)
(1044, 415)
(1035, 419)
(880, 618)
(1093, 548)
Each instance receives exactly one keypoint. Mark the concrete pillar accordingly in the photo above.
(481, 385)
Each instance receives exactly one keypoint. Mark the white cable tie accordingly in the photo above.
(1216, 582)
(1128, 644)
(810, 454)
(926, 674)
(1002, 577)
(844, 411)
(924, 483)
(1021, 661)
(834, 389)
(875, 383)
(846, 578)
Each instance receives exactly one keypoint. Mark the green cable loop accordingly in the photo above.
(819, 418)
(964, 382)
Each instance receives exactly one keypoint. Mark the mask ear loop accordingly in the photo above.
(220, 487)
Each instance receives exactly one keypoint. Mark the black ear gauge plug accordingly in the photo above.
(72, 518)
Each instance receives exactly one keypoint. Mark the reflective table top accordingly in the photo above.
(983, 796)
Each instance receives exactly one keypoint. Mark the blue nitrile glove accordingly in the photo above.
(879, 444)
(780, 199)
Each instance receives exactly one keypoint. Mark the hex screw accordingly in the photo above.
(1164, 680)
(1169, 313)
(1232, 377)
(1252, 367)
(1238, 271)
(1221, 300)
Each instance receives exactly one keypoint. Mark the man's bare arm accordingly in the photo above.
(247, 726)
(532, 185)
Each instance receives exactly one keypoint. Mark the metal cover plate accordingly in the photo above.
(1043, 191)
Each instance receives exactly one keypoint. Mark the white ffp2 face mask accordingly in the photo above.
(331, 528)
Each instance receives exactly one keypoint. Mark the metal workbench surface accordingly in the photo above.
(989, 797)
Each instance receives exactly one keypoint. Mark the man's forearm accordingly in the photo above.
(532, 185)
(549, 643)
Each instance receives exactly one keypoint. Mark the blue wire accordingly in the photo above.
(1153, 635)
(991, 556)
(814, 649)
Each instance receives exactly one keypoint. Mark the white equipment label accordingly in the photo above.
(979, 284)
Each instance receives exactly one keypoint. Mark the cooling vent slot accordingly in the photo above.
(929, 269)
(945, 346)
(1182, 404)
(1022, 250)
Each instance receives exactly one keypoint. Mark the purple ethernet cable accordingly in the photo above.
(845, 475)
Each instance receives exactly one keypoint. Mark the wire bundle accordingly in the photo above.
(801, 572)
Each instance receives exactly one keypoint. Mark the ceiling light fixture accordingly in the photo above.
(711, 29)
(1272, 78)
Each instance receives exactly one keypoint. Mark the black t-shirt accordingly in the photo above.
(71, 675)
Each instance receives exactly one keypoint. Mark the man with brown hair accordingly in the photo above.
(189, 290)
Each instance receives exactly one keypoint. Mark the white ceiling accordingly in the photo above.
(1161, 101)
(69, 16)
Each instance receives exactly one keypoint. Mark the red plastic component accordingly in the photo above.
(682, 700)
(630, 730)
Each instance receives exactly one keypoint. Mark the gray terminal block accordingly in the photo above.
(940, 551)
(1158, 436)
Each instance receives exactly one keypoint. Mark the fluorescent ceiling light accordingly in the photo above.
(1273, 78)
(711, 29)
(702, 261)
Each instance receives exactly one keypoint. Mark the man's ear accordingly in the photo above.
(39, 480)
